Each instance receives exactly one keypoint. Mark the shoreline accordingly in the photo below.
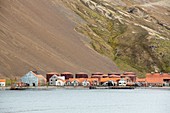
(76, 87)
(160, 88)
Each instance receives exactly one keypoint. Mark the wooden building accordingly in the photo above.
(33, 79)
(49, 75)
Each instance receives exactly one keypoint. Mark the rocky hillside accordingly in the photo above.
(40, 35)
(133, 33)
(84, 35)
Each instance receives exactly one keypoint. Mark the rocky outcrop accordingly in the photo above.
(100, 8)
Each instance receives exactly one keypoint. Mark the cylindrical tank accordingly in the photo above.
(81, 75)
(67, 75)
(97, 75)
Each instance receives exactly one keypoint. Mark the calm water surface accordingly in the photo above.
(85, 101)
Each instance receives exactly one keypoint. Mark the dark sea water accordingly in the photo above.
(85, 101)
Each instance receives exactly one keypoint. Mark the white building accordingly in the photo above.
(2, 82)
(33, 79)
(122, 82)
(109, 83)
(75, 83)
(85, 83)
(57, 80)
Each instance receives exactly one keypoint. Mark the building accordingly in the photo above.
(93, 81)
(141, 82)
(166, 79)
(49, 75)
(85, 83)
(127, 79)
(67, 82)
(42, 81)
(56, 80)
(33, 79)
(158, 79)
(2, 82)
(130, 76)
(122, 82)
(109, 81)
(82, 82)
(75, 82)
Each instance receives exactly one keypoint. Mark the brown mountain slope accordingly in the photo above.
(39, 34)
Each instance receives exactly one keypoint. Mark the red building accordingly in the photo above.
(158, 79)
(130, 76)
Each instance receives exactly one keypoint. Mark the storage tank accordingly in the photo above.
(67, 75)
(81, 75)
(97, 75)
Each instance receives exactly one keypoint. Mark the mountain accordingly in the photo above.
(84, 35)
(135, 34)
(40, 35)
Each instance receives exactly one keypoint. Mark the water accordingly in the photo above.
(85, 101)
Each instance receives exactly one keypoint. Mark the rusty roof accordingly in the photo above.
(96, 76)
(81, 73)
(156, 77)
(92, 79)
(2, 80)
(129, 73)
(97, 73)
(41, 76)
(67, 73)
(114, 73)
(104, 75)
(114, 76)
(154, 80)
(140, 79)
(55, 73)
(109, 79)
